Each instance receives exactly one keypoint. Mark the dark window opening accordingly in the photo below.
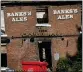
(42, 15)
(45, 53)
(3, 60)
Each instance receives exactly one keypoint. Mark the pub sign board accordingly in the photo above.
(19, 19)
(65, 18)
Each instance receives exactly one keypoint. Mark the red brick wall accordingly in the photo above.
(16, 50)
(64, 27)
(18, 28)
(64, 49)
(27, 51)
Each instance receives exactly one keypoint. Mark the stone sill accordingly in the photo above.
(44, 25)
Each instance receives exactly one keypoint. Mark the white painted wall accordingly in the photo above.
(2, 20)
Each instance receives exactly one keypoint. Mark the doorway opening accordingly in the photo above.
(3, 60)
(45, 53)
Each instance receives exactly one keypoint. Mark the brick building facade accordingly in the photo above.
(58, 20)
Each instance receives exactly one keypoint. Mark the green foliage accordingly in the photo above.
(71, 64)
(63, 65)
(77, 61)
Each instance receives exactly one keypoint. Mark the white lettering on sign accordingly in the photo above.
(19, 16)
(19, 19)
(62, 13)
(66, 11)
(65, 16)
